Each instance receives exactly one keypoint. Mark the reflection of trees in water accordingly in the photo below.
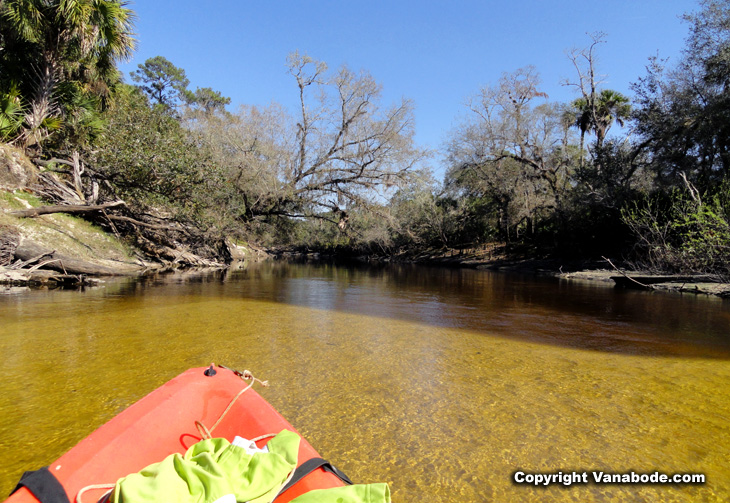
(572, 314)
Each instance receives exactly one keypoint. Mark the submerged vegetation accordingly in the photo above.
(342, 171)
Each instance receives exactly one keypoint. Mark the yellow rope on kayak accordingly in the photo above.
(245, 375)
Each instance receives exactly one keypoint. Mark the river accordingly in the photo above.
(441, 382)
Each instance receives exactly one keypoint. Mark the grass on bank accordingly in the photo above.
(67, 234)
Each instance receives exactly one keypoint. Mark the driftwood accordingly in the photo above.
(648, 280)
(174, 256)
(54, 189)
(42, 278)
(629, 279)
(28, 251)
(65, 208)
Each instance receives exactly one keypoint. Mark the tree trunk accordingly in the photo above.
(28, 250)
(65, 208)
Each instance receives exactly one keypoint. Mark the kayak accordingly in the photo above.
(214, 401)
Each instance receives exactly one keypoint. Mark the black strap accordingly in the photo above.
(44, 486)
(308, 467)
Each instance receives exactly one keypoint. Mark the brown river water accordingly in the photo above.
(443, 383)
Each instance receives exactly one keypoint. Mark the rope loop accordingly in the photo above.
(104, 498)
(246, 375)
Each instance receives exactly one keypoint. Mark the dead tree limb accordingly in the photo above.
(65, 208)
(648, 287)
(24, 263)
(160, 227)
(28, 251)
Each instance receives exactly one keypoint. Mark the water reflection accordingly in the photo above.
(546, 310)
(571, 314)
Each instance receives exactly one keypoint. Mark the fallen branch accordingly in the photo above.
(29, 251)
(46, 262)
(20, 265)
(148, 225)
(648, 287)
(65, 208)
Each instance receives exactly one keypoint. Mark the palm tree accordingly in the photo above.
(579, 115)
(597, 114)
(54, 50)
(610, 106)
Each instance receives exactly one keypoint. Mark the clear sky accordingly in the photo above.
(435, 53)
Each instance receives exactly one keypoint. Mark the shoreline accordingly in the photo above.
(593, 270)
(492, 259)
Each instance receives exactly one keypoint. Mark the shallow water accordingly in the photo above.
(441, 382)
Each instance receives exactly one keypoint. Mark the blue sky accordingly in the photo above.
(435, 53)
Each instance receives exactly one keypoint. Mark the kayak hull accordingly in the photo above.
(163, 423)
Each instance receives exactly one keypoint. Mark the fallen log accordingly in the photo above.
(644, 281)
(26, 277)
(28, 250)
(65, 208)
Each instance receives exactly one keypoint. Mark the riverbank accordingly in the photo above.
(497, 257)
(599, 271)
(74, 249)
(59, 249)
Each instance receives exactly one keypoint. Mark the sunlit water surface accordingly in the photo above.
(442, 383)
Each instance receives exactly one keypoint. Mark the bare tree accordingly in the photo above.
(339, 151)
(510, 125)
(514, 145)
(349, 149)
(596, 109)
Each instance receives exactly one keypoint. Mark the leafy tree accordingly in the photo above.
(683, 113)
(164, 83)
(208, 100)
(682, 232)
(55, 50)
(598, 113)
(596, 109)
(513, 148)
(145, 154)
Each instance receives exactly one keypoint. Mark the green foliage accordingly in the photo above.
(146, 154)
(164, 83)
(54, 51)
(682, 233)
(83, 123)
(208, 100)
(11, 114)
(683, 112)
(598, 113)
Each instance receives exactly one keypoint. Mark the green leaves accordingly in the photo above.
(146, 153)
(163, 82)
(51, 46)
(11, 114)
(683, 234)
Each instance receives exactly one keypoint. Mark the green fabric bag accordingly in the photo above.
(211, 469)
